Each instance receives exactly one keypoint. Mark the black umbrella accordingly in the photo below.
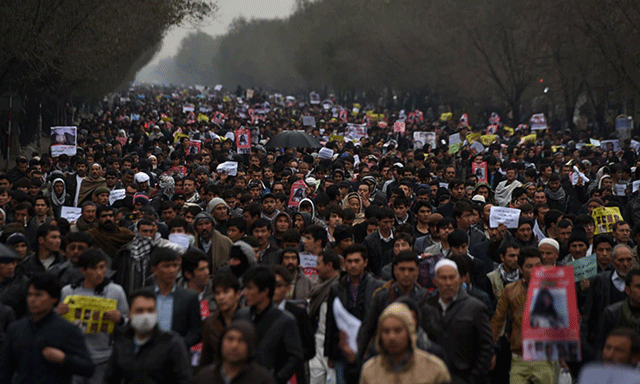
(295, 139)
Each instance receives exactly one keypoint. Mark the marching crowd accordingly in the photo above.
(219, 275)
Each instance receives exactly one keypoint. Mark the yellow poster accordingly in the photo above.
(446, 116)
(202, 117)
(178, 136)
(529, 138)
(88, 313)
(475, 136)
(338, 138)
(487, 139)
(605, 218)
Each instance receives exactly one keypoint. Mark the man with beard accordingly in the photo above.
(300, 284)
(109, 237)
(91, 183)
(214, 244)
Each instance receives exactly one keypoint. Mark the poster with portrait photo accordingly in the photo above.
(195, 146)
(243, 141)
(64, 140)
(480, 170)
(298, 192)
(550, 327)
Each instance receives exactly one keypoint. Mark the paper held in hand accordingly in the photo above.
(506, 216)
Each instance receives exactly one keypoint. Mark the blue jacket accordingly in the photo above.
(22, 352)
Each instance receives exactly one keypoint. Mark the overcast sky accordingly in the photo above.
(229, 9)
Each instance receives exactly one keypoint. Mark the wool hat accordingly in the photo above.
(141, 198)
(202, 216)
(101, 190)
(214, 203)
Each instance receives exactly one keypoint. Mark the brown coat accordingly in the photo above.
(512, 302)
(212, 328)
(423, 368)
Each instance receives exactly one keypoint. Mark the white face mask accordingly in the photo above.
(145, 322)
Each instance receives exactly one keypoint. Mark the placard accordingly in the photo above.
(480, 170)
(249, 94)
(70, 213)
(325, 153)
(399, 127)
(479, 148)
(356, 131)
(188, 108)
(610, 145)
(624, 125)
(88, 313)
(229, 167)
(218, 87)
(422, 139)
(619, 189)
(454, 143)
(576, 175)
(194, 147)
(538, 122)
(314, 99)
(584, 268)
(605, 218)
(243, 141)
(550, 328)
(117, 194)
(309, 121)
(506, 216)
(64, 141)
(309, 264)
(298, 192)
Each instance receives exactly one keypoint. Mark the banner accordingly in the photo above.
(480, 170)
(605, 218)
(356, 131)
(88, 313)
(298, 192)
(194, 147)
(64, 140)
(550, 328)
(243, 141)
(421, 139)
(188, 108)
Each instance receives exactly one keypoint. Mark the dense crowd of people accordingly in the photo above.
(249, 274)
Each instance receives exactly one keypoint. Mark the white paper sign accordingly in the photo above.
(537, 232)
(636, 186)
(347, 323)
(218, 87)
(619, 189)
(506, 216)
(477, 146)
(70, 213)
(635, 145)
(454, 139)
(182, 239)
(576, 175)
(597, 373)
(594, 142)
(117, 194)
(64, 140)
(444, 185)
(188, 108)
(230, 167)
(325, 153)
(309, 121)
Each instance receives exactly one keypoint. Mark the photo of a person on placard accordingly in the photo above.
(298, 195)
(242, 140)
(544, 313)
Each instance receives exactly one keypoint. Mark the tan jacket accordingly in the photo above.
(423, 368)
(496, 283)
(512, 302)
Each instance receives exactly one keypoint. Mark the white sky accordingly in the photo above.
(228, 10)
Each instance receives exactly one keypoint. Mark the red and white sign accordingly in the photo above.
(538, 122)
(194, 147)
(550, 328)
(480, 170)
(298, 192)
(399, 127)
(243, 141)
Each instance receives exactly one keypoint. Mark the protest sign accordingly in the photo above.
(243, 141)
(488, 139)
(506, 216)
(599, 373)
(135, 117)
(338, 138)
(117, 194)
(491, 130)
(635, 145)
(343, 116)
(537, 232)
(636, 186)
(605, 218)
(454, 143)
(494, 119)
(624, 125)
(325, 153)
(122, 140)
(480, 170)
(399, 127)
(218, 87)
(610, 145)
(314, 98)
(619, 189)
(309, 263)
(538, 122)
(179, 169)
(194, 146)
(356, 131)
(309, 121)
(298, 192)
(594, 142)
(64, 140)
(70, 213)
(250, 93)
(228, 167)
(443, 185)
(188, 108)
(577, 175)
(475, 136)
(347, 323)
(584, 268)
(88, 313)
(550, 328)
(422, 139)
(479, 148)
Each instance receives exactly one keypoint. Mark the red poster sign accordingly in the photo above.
(550, 328)
(399, 127)
(194, 147)
(480, 170)
(298, 192)
(243, 141)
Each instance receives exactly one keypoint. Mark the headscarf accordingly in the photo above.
(360, 214)
(401, 312)
(167, 184)
(58, 201)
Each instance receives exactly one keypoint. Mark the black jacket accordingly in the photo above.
(13, 292)
(252, 373)
(464, 332)
(306, 337)
(31, 265)
(279, 346)
(162, 359)
(186, 320)
(376, 252)
(22, 352)
(340, 289)
(610, 320)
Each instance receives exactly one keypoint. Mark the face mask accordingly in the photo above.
(145, 322)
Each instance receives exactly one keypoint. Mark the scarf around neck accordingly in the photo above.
(558, 195)
(508, 277)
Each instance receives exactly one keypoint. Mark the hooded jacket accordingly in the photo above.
(420, 366)
(360, 214)
(314, 219)
(250, 373)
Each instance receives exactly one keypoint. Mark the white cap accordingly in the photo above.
(311, 181)
(478, 198)
(445, 263)
(141, 177)
(551, 242)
